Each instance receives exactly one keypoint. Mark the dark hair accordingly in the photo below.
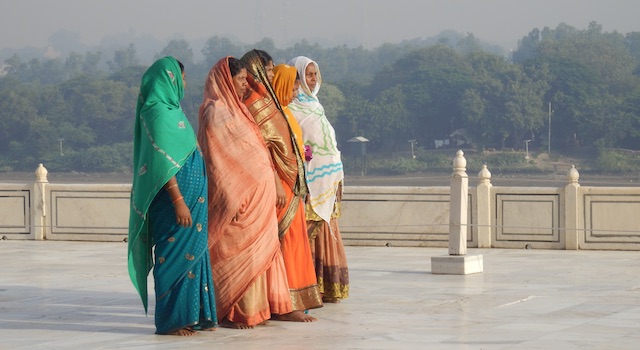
(264, 56)
(181, 66)
(297, 75)
(235, 66)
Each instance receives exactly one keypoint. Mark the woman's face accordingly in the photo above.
(240, 83)
(269, 68)
(294, 92)
(184, 80)
(311, 76)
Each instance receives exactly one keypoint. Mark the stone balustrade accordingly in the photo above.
(485, 216)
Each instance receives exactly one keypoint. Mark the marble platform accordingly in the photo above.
(77, 295)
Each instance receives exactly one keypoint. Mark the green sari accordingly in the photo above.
(165, 146)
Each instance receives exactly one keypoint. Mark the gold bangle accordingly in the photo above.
(172, 186)
(176, 200)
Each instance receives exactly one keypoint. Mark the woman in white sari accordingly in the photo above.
(324, 179)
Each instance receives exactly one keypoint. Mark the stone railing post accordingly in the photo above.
(457, 263)
(571, 210)
(458, 206)
(483, 191)
(38, 204)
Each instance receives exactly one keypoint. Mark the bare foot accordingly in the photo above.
(296, 316)
(184, 332)
(331, 300)
(235, 325)
(264, 323)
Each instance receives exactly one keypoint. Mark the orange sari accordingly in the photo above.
(247, 266)
(286, 157)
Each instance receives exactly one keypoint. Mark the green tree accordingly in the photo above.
(217, 47)
(91, 63)
(73, 64)
(505, 104)
(16, 112)
(332, 100)
(123, 58)
(179, 49)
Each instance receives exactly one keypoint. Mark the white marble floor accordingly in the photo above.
(77, 295)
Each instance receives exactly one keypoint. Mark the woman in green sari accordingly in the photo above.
(169, 207)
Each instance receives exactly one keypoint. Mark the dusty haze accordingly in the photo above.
(355, 22)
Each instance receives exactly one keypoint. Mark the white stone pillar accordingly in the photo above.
(457, 263)
(38, 204)
(483, 211)
(572, 230)
(458, 206)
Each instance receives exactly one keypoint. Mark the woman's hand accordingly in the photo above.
(183, 214)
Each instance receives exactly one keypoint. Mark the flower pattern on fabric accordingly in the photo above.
(171, 76)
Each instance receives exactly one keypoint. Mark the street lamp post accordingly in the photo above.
(413, 143)
(526, 146)
(549, 138)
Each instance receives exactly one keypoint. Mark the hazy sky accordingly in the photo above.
(369, 22)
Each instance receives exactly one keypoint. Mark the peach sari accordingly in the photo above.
(247, 265)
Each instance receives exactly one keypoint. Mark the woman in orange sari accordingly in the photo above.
(247, 266)
(267, 104)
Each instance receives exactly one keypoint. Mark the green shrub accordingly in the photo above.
(396, 166)
(613, 161)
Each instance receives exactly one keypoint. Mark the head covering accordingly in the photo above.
(219, 88)
(324, 170)
(301, 63)
(232, 146)
(252, 61)
(163, 140)
(278, 131)
(283, 81)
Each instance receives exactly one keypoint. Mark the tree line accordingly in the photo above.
(581, 87)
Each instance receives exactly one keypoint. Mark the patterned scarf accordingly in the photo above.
(324, 170)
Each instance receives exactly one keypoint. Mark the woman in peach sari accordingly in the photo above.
(267, 103)
(247, 266)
